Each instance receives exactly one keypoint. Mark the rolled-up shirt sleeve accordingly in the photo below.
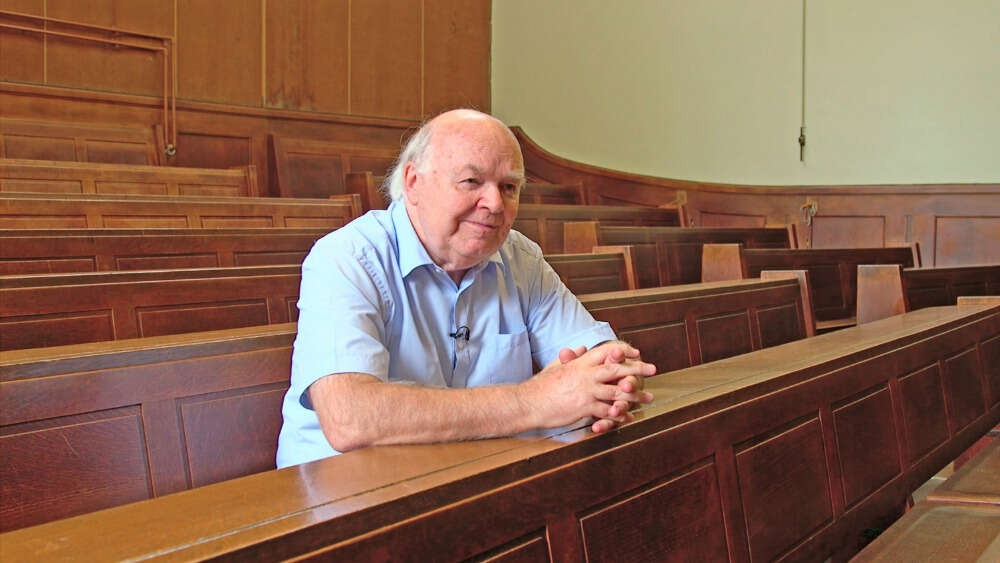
(341, 326)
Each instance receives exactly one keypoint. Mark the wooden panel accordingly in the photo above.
(316, 168)
(962, 240)
(963, 389)
(848, 232)
(923, 411)
(24, 58)
(84, 64)
(15, 266)
(307, 55)
(103, 451)
(722, 219)
(456, 55)
(866, 441)
(664, 345)
(232, 433)
(168, 262)
(779, 324)
(56, 329)
(722, 335)
(198, 150)
(76, 141)
(637, 527)
(385, 58)
(784, 479)
(534, 549)
(218, 315)
(219, 51)
(990, 354)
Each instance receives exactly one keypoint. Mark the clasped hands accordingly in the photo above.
(603, 382)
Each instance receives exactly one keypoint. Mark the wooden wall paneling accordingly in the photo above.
(970, 239)
(386, 58)
(307, 57)
(848, 232)
(219, 51)
(456, 63)
(76, 141)
(23, 52)
(86, 64)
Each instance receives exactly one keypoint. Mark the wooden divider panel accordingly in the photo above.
(564, 194)
(48, 176)
(68, 211)
(317, 168)
(60, 309)
(92, 250)
(593, 273)
(81, 142)
(788, 452)
(543, 223)
(669, 256)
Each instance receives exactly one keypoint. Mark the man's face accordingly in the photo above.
(463, 197)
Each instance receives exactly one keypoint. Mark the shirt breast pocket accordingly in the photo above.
(511, 358)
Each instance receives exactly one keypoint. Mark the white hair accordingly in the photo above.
(414, 151)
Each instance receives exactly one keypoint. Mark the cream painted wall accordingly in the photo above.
(897, 91)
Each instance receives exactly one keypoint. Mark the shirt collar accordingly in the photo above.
(412, 253)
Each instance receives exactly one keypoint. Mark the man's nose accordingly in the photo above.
(491, 198)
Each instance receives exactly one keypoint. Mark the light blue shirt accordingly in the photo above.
(372, 301)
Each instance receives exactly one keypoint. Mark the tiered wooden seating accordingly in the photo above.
(668, 256)
(49, 176)
(368, 186)
(316, 168)
(544, 223)
(686, 325)
(833, 272)
(749, 458)
(565, 194)
(93, 250)
(168, 365)
(80, 142)
(58, 309)
(890, 289)
(70, 211)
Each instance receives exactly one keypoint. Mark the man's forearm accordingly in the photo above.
(357, 410)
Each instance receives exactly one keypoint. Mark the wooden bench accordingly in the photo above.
(58, 309)
(592, 273)
(832, 272)
(49, 176)
(742, 459)
(92, 250)
(90, 211)
(939, 532)
(891, 289)
(316, 168)
(700, 307)
(80, 142)
(977, 481)
(668, 256)
(544, 223)
(686, 325)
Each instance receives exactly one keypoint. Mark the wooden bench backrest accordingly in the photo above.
(49, 176)
(368, 186)
(668, 256)
(886, 290)
(712, 470)
(751, 314)
(564, 194)
(317, 169)
(593, 273)
(93, 250)
(543, 223)
(60, 309)
(80, 142)
(68, 211)
(833, 272)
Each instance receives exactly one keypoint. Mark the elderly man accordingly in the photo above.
(419, 323)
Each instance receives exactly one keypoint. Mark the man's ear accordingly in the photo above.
(410, 182)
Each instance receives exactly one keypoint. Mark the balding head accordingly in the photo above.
(443, 126)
